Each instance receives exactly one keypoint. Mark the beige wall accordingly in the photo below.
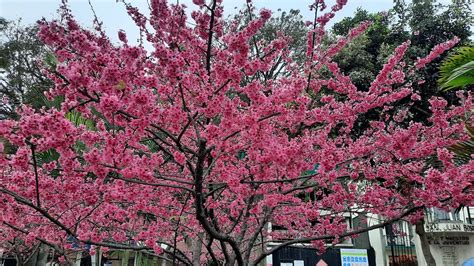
(448, 255)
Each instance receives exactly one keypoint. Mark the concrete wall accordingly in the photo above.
(451, 255)
(377, 241)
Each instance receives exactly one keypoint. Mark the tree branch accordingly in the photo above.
(24, 231)
(259, 120)
(68, 231)
(209, 39)
(35, 168)
(329, 237)
(199, 202)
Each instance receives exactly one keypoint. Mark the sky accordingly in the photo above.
(114, 16)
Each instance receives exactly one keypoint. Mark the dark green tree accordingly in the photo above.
(21, 79)
(359, 58)
(425, 23)
(431, 24)
(287, 23)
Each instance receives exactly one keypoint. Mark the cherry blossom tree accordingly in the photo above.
(191, 142)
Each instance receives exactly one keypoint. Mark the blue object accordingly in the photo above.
(469, 262)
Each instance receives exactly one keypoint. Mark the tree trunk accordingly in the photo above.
(42, 257)
(425, 246)
(31, 260)
(197, 249)
(231, 261)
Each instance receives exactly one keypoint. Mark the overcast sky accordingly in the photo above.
(114, 16)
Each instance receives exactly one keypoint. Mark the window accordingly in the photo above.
(441, 215)
(399, 234)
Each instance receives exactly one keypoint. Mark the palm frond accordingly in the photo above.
(36, 98)
(464, 150)
(77, 119)
(47, 156)
(457, 71)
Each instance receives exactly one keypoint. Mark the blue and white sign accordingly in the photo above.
(354, 257)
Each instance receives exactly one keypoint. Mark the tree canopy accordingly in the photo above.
(21, 56)
(194, 142)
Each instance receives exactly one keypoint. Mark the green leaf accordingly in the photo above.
(460, 77)
(77, 119)
(51, 60)
(457, 71)
(47, 156)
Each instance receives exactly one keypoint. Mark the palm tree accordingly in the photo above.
(457, 72)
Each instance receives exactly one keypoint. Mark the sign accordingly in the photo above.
(449, 227)
(298, 263)
(449, 256)
(448, 240)
(321, 263)
(354, 257)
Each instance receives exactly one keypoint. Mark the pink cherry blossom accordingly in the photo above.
(193, 145)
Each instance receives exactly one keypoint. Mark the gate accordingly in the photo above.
(399, 245)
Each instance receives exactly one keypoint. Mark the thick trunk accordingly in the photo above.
(231, 261)
(197, 249)
(30, 260)
(425, 246)
(42, 258)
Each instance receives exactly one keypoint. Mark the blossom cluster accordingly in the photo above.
(191, 141)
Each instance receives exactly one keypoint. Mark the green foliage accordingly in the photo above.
(356, 61)
(50, 60)
(361, 59)
(142, 259)
(425, 23)
(35, 97)
(464, 150)
(47, 157)
(125, 257)
(77, 119)
(20, 75)
(377, 34)
(436, 23)
(457, 71)
(241, 155)
(289, 23)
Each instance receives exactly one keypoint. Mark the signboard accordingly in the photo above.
(449, 227)
(449, 256)
(448, 240)
(354, 257)
(298, 263)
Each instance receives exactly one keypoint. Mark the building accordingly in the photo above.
(450, 236)
(352, 251)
